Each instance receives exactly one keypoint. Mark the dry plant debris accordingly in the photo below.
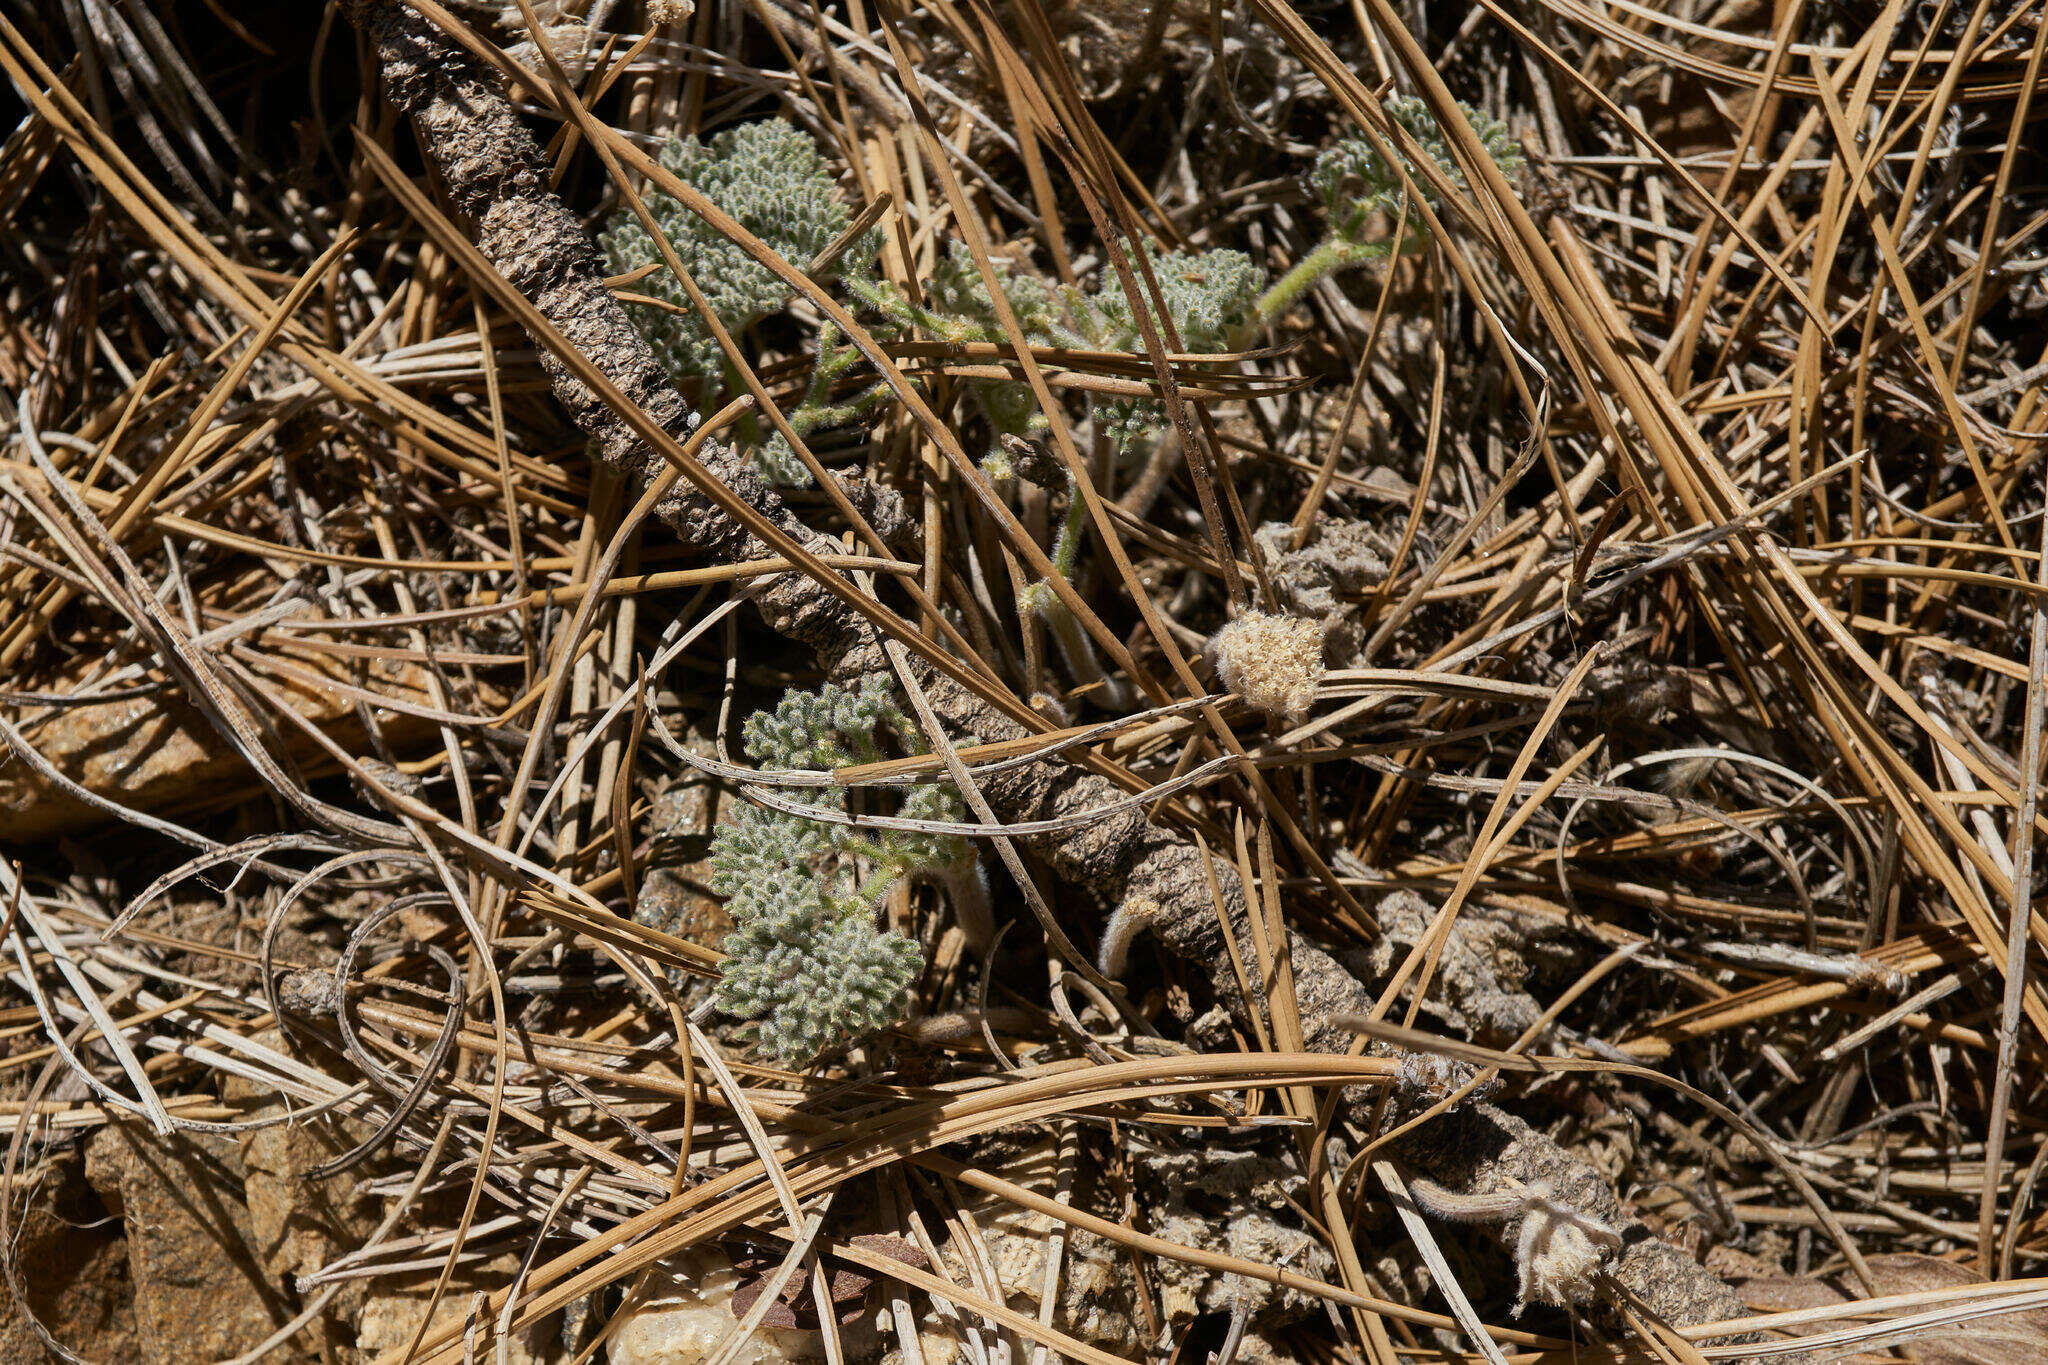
(1124, 681)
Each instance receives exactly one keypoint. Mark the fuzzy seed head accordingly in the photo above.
(1559, 1251)
(1428, 1079)
(307, 994)
(1273, 662)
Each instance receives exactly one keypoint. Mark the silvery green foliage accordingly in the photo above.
(770, 177)
(776, 458)
(805, 957)
(826, 729)
(1206, 294)
(958, 308)
(815, 978)
(958, 293)
(1355, 182)
(777, 461)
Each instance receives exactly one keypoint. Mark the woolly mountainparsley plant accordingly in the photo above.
(1211, 297)
(957, 308)
(771, 179)
(1357, 189)
(1207, 294)
(806, 958)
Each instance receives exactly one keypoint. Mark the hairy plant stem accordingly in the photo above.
(1332, 254)
(1075, 646)
(494, 177)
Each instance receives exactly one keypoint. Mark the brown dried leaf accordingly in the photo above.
(795, 1307)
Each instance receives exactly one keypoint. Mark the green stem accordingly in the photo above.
(1334, 253)
(1077, 649)
(1067, 548)
(1041, 601)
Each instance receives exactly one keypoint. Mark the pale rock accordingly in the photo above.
(1097, 1302)
(680, 1309)
(391, 1317)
